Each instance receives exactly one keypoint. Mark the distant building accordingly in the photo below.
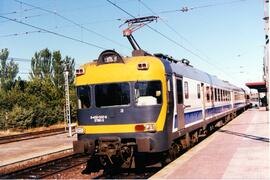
(263, 87)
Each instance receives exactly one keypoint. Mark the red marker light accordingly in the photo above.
(139, 127)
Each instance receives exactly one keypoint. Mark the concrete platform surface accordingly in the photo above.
(22, 150)
(239, 150)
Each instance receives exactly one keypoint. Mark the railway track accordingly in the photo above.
(130, 174)
(31, 135)
(69, 163)
(48, 169)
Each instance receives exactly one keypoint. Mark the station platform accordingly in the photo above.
(22, 150)
(239, 150)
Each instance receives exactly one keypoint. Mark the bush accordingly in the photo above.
(40, 104)
(20, 118)
(3, 120)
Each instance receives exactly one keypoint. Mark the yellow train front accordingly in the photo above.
(122, 107)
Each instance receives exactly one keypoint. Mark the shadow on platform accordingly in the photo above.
(258, 138)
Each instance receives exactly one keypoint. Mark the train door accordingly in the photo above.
(180, 106)
(179, 122)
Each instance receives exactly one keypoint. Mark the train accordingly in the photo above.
(143, 109)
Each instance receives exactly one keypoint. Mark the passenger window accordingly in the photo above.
(212, 94)
(179, 91)
(207, 94)
(222, 95)
(216, 98)
(198, 91)
(84, 97)
(186, 90)
(219, 95)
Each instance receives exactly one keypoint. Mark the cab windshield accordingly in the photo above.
(84, 97)
(148, 93)
(114, 94)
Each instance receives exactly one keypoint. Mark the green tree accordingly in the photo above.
(41, 64)
(47, 65)
(8, 70)
(40, 101)
(57, 70)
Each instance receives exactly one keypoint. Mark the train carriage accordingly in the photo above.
(147, 105)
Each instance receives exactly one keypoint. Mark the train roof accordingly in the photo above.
(186, 70)
(181, 67)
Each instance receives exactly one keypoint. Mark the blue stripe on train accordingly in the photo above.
(215, 110)
(194, 116)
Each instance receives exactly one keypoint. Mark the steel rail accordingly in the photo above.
(31, 135)
(48, 169)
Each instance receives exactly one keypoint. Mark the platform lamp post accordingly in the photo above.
(67, 102)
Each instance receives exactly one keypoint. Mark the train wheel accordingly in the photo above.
(194, 139)
(202, 134)
(174, 151)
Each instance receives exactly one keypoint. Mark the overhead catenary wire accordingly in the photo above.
(147, 7)
(24, 18)
(158, 32)
(57, 27)
(186, 9)
(66, 10)
(19, 59)
(15, 12)
(170, 39)
(54, 33)
(170, 27)
(73, 22)
(16, 59)
(22, 33)
(217, 4)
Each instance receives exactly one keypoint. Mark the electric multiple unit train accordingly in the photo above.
(147, 106)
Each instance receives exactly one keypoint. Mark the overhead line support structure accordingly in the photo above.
(67, 101)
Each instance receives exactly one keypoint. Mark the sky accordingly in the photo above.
(221, 37)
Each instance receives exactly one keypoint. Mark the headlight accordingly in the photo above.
(150, 127)
(79, 130)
